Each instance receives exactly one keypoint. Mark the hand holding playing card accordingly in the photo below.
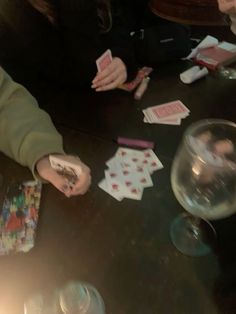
(113, 75)
(60, 181)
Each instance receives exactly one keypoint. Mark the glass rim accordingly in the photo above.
(196, 125)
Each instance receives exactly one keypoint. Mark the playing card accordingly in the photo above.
(19, 217)
(125, 181)
(103, 185)
(129, 173)
(65, 168)
(174, 121)
(114, 187)
(103, 61)
(128, 153)
(151, 161)
(133, 158)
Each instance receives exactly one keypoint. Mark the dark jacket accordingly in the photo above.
(68, 51)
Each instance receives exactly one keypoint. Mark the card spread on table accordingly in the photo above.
(65, 168)
(169, 113)
(19, 217)
(129, 172)
(103, 61)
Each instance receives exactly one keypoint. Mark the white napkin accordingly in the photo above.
(193, 74)
(207, 42)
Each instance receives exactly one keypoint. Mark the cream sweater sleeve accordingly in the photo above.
(26, 132)
(233, 22)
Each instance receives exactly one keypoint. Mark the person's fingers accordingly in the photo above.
(109, 79)
(111, 82)
(60, 182)
(116, 62)
(116, 71)
(105, 73)
(107, 87)
(82, 186)
(83, 183)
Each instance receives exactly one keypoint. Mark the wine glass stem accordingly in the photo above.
(194, 228)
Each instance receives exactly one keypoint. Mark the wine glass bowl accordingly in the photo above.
(203, 179)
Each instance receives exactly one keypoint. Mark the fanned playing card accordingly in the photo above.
(129, 172)
(65, 168)
(124, 183)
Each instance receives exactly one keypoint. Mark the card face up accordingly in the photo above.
(129, 173)
(66, 168)
(19, 217)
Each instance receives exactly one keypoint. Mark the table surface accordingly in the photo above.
(123, 248)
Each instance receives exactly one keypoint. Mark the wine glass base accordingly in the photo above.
(192, 236)
(227, 73)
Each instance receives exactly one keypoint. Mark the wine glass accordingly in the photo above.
(203, 178)
(74, 297)
(81, 298)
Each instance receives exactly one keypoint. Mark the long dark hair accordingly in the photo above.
(103, 10)
(46, 8)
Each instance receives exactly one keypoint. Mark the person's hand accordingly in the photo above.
(227, 6)
(111, 77)
(47, 173)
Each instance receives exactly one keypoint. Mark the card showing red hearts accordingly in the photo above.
(129, 172)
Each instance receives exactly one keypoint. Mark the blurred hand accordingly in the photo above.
(47, 173)
(227, 6)
(111, 77)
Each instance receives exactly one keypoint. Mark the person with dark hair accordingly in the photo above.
(64, 38)
(28, 136)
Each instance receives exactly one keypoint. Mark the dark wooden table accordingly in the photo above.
(124, 248)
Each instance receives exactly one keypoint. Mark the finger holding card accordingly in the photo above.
(110, 76)
(83, 183)
(67, 173)
(76, 173)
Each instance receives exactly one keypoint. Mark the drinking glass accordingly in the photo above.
(203, 178)
(81, 298)
(74, 298)
(40, 304)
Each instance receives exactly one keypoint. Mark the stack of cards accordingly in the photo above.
(129, 172)
(170, 113)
